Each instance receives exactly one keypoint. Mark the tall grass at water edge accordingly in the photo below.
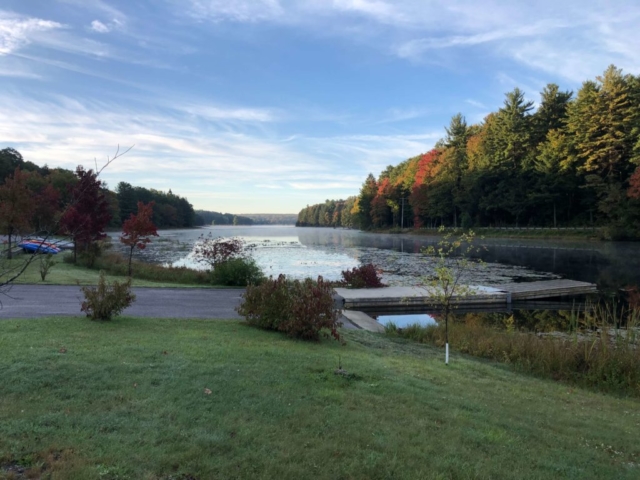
(602, 349)
(116, 264)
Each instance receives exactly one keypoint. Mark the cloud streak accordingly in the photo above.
(568, 40)
(180, 149)
(18, 31)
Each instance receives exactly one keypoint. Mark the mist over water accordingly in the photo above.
(302, 252)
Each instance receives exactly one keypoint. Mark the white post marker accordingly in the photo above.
(446, 354)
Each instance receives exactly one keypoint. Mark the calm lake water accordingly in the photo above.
(301, 252)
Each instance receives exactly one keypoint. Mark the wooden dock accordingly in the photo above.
(547, 289)
(498, 295)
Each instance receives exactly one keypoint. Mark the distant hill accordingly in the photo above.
(205, 217)
(272, 218)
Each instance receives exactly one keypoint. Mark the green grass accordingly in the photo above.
(64, 273)
(127, 399)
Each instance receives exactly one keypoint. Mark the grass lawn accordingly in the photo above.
(127, 399)
(69, 274)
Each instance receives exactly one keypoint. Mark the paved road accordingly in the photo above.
(30, 301)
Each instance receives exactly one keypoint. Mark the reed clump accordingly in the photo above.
(601, 350)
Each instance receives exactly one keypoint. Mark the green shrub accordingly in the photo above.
(89, 254)
(300, 309)
(46, 264)
(107, 299)
(237, 272)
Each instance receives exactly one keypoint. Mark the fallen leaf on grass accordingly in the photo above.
(165, 352)
(207, 391)
(135, 385)
(63, 350)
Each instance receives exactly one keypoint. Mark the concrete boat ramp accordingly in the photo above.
(498, 295)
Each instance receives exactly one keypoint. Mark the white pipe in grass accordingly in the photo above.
(446, 354)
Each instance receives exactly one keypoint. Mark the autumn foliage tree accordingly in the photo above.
(137, 229)
(569, 162)
(16, 207)
(88, 214)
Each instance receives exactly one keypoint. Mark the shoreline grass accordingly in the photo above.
(171, 399)
(601, 350)
(115, 267)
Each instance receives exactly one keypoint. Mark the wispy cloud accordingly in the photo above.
(238, 10)
(98, 6)
(65, 131)
(17, 31)
(475, 103)
(99, 27)
(572, 41)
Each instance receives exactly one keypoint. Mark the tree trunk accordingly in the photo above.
(555, 224)
(9, 254)
(130, 257)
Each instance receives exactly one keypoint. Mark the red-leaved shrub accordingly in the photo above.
(364, 276)
(301, 309)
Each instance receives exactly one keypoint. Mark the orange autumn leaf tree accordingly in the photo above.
(137, 229)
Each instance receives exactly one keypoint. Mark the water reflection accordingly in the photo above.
(403, 321)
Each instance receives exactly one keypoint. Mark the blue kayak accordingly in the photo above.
(38, 247)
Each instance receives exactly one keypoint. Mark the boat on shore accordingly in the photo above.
(31, 245)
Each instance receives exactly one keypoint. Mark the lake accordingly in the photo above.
(301, 252)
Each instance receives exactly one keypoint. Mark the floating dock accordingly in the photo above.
(547, 289)
(499, 295)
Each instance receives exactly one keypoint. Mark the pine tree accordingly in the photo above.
(604, 121)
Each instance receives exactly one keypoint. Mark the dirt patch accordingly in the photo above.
(38, 465)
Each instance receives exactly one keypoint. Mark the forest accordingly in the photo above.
(50, 190)
(205, 217)
(573, 161)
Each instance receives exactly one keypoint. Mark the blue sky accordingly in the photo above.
(269, 105)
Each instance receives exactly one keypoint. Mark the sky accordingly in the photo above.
(266, 106)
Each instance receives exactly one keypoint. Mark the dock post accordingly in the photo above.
(446, 354)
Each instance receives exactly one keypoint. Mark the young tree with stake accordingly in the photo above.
(452, 263)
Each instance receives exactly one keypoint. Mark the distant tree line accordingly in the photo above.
(571, 162)
(204, 217)
(49, 189)
(331, 213)
(169, 210)
(272, 218)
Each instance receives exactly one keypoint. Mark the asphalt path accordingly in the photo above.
(32, 301)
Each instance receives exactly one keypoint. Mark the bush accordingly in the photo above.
(90, 253)
(301, 309)
(364, 276)
(107, 299)
(237, 272)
